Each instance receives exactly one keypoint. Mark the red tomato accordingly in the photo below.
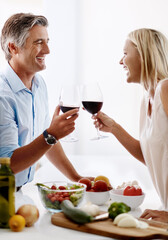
(87, 182)
(53, 187)
(139, 191)
(62, 188)
(66, 194)
(100, 186)
(60, 199)
(132, 191)
(53, 199)
(49, 195)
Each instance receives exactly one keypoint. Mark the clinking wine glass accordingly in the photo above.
(69, 99)
(92, 100)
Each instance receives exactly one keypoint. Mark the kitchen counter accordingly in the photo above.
(117, 168)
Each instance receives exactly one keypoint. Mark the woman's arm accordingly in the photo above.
(107, 124)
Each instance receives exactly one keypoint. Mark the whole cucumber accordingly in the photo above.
(75, 214)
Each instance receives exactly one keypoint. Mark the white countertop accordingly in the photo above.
(117, 168)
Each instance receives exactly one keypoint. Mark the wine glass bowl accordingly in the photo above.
(92, 107)
(69, 99)
(92, 101)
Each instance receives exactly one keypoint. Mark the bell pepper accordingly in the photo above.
(117, 208)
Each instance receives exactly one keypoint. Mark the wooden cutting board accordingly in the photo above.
(108, 229)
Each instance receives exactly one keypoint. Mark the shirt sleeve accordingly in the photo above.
(46, 106)
(8, 125)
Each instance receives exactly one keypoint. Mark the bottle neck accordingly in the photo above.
(5, 168)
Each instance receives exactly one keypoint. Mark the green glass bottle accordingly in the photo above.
(7, 192)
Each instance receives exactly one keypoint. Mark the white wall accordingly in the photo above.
(86, 42)
(87, 38)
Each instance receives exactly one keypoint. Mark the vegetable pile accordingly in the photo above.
(100, 184)
(131, 188)
(54, 195)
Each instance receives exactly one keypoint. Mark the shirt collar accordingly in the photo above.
(15, 82)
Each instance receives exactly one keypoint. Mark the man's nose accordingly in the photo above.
(46, 48)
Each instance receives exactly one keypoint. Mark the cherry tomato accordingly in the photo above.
(53, 187)
(53, 199)
(49, 195)
(66, 194)
(62, 188)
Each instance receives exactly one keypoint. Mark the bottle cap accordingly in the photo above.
(4, 160)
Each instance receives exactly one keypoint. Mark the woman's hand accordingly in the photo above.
(156, 215)
(103, 122)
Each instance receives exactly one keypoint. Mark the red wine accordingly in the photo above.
(92, 107)
(67, 108)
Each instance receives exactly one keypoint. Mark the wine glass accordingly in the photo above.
(92, 100)
(69, 99)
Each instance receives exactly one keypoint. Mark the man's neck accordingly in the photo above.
(24, 76)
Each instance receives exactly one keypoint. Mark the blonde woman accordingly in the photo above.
(146, 62)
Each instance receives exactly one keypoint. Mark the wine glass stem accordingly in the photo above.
(98, 133)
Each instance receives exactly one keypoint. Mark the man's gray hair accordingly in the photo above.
(16, 30)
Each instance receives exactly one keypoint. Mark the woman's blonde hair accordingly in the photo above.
(152, 46)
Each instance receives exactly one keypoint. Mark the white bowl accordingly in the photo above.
(98, 198)
(132, 201)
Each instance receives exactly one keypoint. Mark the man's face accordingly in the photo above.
(31, 57)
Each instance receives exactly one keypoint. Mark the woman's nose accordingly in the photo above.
(121, 61)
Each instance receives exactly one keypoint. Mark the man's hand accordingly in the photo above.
(161, 216)
(62, 125)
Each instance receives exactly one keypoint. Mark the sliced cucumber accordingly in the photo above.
(75, 214)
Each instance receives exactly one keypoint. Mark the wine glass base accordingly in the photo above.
(98, 138)
(69, 139)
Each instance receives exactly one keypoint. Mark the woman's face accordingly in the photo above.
(131, 62)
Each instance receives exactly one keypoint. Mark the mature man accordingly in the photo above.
(26, 132)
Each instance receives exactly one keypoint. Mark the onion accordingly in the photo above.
(30, 214)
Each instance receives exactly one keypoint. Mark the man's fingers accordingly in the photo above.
(57, 110)
(70, 113)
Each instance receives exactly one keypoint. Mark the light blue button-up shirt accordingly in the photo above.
(24, 116)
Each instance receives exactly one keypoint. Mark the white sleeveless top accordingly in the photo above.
(154, 143)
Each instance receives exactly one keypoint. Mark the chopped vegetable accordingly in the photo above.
(54, 195)
(126, 220)
(91, 209)
(116, 208)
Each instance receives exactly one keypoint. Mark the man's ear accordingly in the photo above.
(12, 48)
